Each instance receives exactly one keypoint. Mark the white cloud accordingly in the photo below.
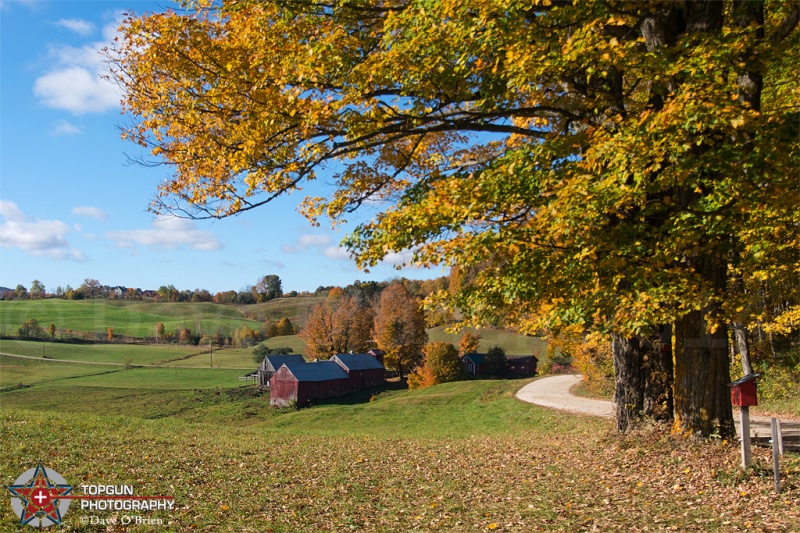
(37, 237)
(63, 127)
(8, 4)
(274, 264)
(81, 27)
(398, 258)
(91, 212)
(335, 252)
(77, 90)
(314, 240)
(75, 82)
(10, 211)
(168, 233)
(111, 30)
(306, 241)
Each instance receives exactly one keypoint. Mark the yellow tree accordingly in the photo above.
(339, 325)
(606, 163)
(469, 343)
(399, 328)
(441, 365)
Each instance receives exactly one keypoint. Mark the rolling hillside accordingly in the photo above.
(137, 318)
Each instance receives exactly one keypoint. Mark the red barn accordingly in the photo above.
(364, 369)
(523, 365)
(303, 382)
(272, 363)
(475, 363)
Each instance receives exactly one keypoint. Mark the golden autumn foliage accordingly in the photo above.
(573, 150)
(612, 164)
(590, 355)
(399, 328)
(441, 364)
(341, 324)
(469, 343)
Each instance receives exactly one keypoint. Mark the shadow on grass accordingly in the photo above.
(362, 396)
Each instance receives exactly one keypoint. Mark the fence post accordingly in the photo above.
(775, 461)
(780, 438)
(744, 425)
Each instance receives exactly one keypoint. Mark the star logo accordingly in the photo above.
(38, 497)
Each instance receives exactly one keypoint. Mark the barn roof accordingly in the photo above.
(358, 361)
(521, 359)
(316, 371)
(476, 358)
(277, 360)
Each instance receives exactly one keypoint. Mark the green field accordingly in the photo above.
(103, 353)
(456, 457)
(137, 318)
(512, 343)
(465, 456)
(38, 373)
(295, 309)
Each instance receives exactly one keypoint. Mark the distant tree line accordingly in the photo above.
(266, 288)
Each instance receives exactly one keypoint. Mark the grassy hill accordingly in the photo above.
(137, 318)
(512, 343)
(456, 457)
(464, 456)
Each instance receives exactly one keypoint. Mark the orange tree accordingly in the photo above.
(610, 163)
(399, 328)
(338, 325)
(441, 365)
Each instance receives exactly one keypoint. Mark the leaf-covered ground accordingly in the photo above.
(322, 472)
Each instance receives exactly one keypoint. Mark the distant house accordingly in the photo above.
(518, 365)
(118, 292)
(524, 365)
(475, 363)
(302, 382)
(272, 363)
(363, 369)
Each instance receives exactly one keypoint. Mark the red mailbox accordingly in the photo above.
(743, 391)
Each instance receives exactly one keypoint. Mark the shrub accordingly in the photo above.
(594, 360)
(261, 351)
(30, 328)
(442, 364)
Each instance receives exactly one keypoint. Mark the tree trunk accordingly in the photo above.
(642, 380)
(629, 380)
(658, 401)
(743, 346)
(702, 368)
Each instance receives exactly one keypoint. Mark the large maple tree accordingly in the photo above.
(609, 163)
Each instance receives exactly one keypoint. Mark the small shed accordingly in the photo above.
(272, 363)
(363, 368)
(475, 363)
(302, 382)
(523, 365)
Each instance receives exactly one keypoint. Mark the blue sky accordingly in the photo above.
(71, 207)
